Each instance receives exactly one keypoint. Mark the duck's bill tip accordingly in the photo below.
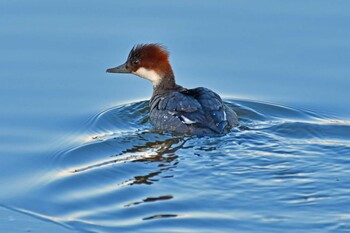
(119, 69)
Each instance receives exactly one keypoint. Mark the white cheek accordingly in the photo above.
(151, 75)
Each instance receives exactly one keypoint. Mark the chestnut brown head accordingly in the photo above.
(149, 61)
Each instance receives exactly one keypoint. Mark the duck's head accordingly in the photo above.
(149, 61)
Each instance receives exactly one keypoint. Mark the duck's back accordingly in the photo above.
(198, 111)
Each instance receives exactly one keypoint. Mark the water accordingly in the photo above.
(274, 172)
(77, 148)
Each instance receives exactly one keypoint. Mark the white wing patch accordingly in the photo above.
(183, 119)
(186, 120)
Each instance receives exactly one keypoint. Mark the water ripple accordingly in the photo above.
(278, 168)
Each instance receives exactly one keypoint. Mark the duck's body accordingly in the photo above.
(173, 108)
(198, 111)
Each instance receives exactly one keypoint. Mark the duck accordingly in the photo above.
(173, 108)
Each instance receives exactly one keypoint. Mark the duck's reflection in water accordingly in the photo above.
(163, 153)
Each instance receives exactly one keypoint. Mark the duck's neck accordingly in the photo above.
(166, 83)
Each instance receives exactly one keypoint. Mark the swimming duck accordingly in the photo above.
(173, 108)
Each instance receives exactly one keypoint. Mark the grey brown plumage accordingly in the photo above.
(198, 111)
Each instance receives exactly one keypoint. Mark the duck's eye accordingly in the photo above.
(136, 61)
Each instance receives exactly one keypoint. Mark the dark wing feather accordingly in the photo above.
(168, 110)
(219, 116)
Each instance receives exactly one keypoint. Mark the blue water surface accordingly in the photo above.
(77, 148)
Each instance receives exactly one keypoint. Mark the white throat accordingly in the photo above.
(151, 75)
